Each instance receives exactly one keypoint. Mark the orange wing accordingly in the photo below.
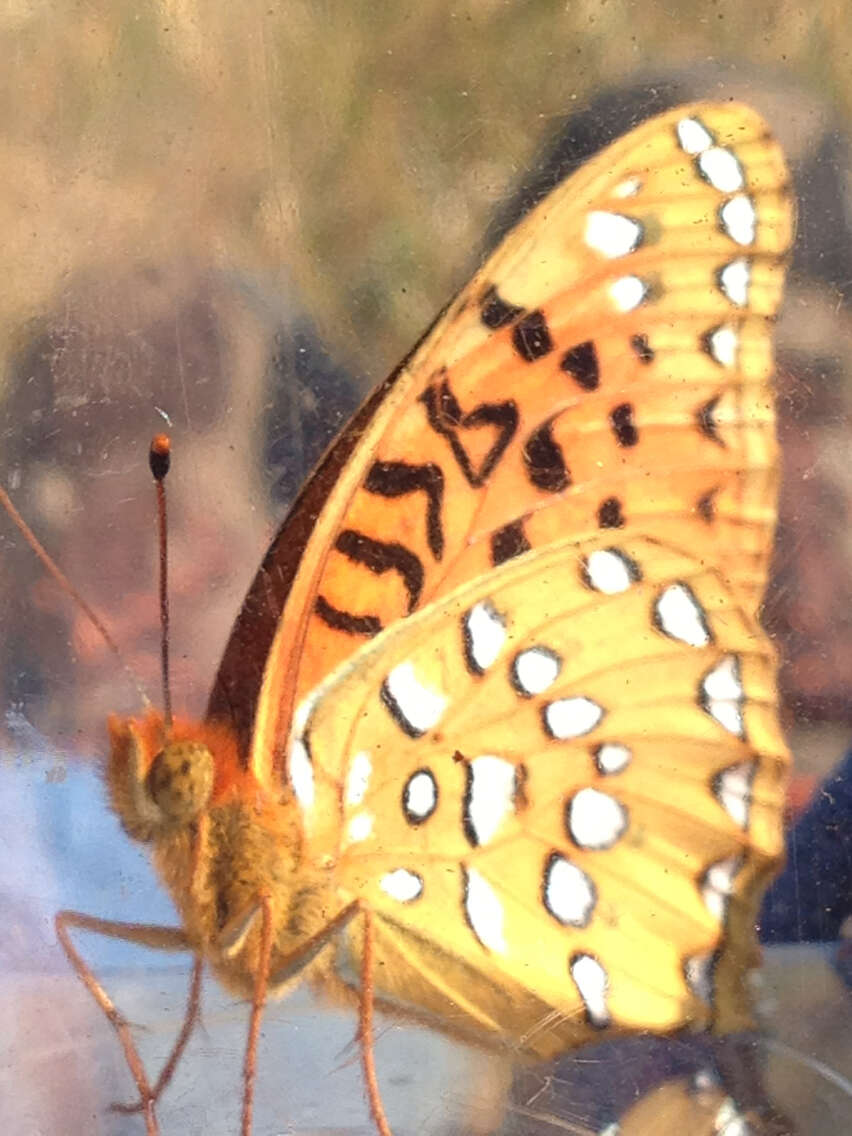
(607, 368)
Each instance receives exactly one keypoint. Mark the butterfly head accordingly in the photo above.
(159, 780)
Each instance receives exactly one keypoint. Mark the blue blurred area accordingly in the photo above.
(812, 898)
(61, 847)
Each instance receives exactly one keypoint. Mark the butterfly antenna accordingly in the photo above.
(68, 588)
(159, 459)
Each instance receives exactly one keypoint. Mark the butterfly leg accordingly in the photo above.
(291, 966)
(190, 1019)
(261, 986)
(155, 937)
(365, 1029)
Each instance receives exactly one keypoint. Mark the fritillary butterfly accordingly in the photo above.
(494, 740)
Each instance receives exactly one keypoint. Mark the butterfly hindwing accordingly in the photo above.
(558, 785)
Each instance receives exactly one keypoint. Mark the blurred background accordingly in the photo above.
(231, 221)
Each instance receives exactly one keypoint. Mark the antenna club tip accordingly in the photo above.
(159, 456)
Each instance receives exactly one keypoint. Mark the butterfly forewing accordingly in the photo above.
(550, 783)
(607, 368)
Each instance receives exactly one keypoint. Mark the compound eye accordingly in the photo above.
(180, 780)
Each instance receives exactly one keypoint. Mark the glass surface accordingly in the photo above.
(231, 221)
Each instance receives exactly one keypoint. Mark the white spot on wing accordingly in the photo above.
(415, 706)
(491, 795)
(722, 695)
(612, 757)
(358, 778)
(591, 982)
(610, 571)
(612, 234)
(628, 292)
(721, 168)
(733, 791)
(301, 773)
(739, 219)
(303, 713)
(717, 886)
(420, 796)
(569, 894)
(723, 344)
(402, 885)
(571, 717)
(595, 820)
(693, 136)
(681, 616)
(734, 280)
(535, 669)
(359, 827)
(485, 634)
(723, 681)
(484, 911)
(628, 188)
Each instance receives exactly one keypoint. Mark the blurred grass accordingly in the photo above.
(358, 147)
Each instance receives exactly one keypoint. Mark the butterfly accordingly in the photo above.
(494, 742)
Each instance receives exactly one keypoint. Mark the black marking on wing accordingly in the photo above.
(531, 337)
(496, 312)
(413, 818)
(706, 505)
(446, 418)
(581, 363)
(508, 542)
(544, 460)
(467, 820)
(368, 625)
(707, 424)
(623, 424)
(379, 557)
(644, 351)
(610, 515)
(398, 479)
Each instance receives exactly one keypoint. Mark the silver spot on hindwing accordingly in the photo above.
(489, 798)
(483, 910)
(419, 796)
(732, 788)
(484, 633)
(413, 705)
(610, 571)
(678, 614)
(592, 984)
(594, 820)
(569, 894)
(721, 695)
(402, 885)
(612, 757)
(567, 718)
(534, 670)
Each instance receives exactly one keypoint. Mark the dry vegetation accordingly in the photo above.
(357, 147)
